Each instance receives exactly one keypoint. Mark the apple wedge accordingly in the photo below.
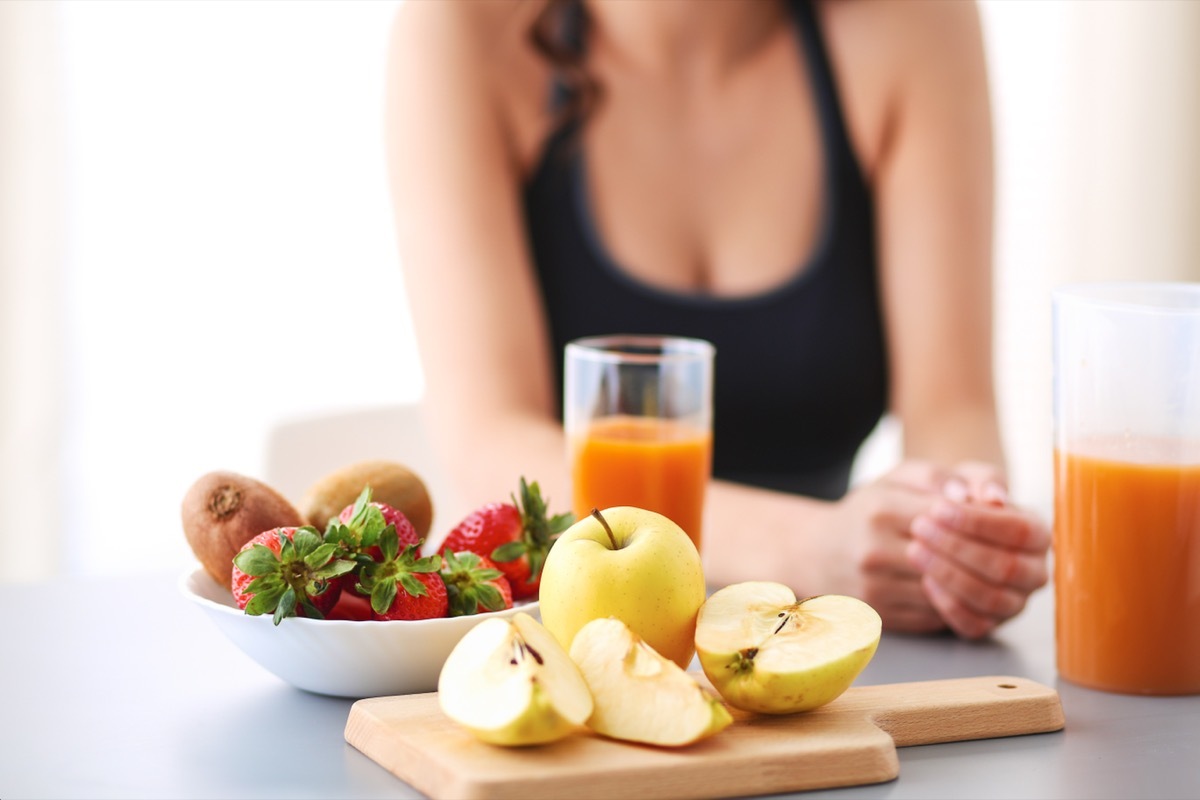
(639, 695)
(765, 651)
(511, 683)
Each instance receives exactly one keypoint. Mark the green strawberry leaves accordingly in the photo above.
(397, 568)
(510, 551)
(362, 531)
(469, 584)
(286, 582)
(538, 533)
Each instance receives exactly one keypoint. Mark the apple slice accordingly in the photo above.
(765, 651)
(510, 682)
(641, 696)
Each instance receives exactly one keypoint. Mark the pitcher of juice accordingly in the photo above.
(637, 412)
(1127, 486)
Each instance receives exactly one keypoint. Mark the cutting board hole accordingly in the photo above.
(1007, 685)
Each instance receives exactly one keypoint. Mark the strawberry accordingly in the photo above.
(351, 606)
(401, 584)
(516, 536)
(361, 518)
(474, 584)
(288, 572)
(357, 529)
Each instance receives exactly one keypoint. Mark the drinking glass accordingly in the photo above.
(1127, 486)
(637, 411)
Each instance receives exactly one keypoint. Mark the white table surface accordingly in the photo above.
(121, 688)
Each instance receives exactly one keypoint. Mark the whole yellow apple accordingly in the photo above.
(632, 564)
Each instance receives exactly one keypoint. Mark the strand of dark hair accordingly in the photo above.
(549, 37)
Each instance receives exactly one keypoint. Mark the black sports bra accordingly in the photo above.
(801, 370)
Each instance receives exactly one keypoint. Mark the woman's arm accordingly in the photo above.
(934, 189)
(455, 181)
(980, 557)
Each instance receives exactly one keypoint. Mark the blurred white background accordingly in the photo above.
(195, 242)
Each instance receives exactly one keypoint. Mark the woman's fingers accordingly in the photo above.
(997, 565)
(979, 563)
(961, 618)
(967, 480)
(1007, 527)
(996, 600)
(901, 602)
(976, 480)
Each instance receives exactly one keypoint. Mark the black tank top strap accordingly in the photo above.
(829, 106)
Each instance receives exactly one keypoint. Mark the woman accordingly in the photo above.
(808, 186)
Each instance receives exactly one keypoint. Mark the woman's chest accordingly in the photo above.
(720, 188)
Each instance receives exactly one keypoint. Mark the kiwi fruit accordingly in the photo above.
(391, 483)
(223, 510)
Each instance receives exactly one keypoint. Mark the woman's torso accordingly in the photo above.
(772, 257)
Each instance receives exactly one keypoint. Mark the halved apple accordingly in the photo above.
(765, 651)
(639, 695)
(510, 682)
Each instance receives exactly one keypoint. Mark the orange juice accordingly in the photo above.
(656, 464)
(1127, 574)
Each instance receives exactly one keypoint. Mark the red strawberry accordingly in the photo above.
(357, 529)
(516, 536)
(351, 606)
(474, 584)
(288, 572)
(431, 603)
(360, 518)
(402, 585)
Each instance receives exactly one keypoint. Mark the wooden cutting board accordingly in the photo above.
(851, 741)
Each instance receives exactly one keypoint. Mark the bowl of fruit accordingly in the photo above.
(356, 606)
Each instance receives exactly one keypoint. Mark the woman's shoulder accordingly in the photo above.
(481, 40)
(884, 53)
(474, 53)
(900, 33)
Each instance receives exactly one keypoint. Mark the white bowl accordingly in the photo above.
(344, 658)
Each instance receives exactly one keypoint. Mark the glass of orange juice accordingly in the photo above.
(1127, 486)
(637, 411)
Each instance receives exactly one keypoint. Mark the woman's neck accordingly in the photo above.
(681, 38)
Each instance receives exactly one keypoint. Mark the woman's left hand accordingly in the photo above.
(980, 556)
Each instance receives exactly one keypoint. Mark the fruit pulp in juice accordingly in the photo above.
(655, 464)
(1127, 574)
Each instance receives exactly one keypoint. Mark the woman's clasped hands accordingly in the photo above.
(940, 549)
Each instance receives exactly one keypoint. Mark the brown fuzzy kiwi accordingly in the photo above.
(391, 483)
(223, 510)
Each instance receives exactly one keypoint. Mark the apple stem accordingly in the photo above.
(604, 523)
